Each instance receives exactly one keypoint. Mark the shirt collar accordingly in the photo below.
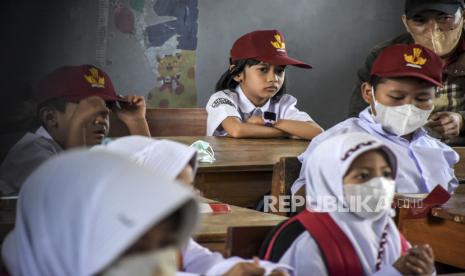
(246, 105)
(44, 133)
(366, 116)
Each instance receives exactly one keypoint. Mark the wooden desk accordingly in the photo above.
(444, 230)
(214, 227)
(242, 172)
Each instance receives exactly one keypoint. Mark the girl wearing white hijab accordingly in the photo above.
(179, 162)
(345, 237)
(98, 213)
(174, 159)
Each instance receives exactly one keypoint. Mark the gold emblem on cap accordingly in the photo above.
(94, 79)
(278, 44)
(415, 60)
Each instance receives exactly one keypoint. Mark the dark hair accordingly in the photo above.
(57, 104)
(375, 80)
(227, 81)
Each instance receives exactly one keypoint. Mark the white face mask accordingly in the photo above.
(370, 199)
(160, 262)
(205, 153)
(399, 120)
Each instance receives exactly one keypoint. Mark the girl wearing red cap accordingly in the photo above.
(251, 100)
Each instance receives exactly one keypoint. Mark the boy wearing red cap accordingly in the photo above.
(72, 112)
(437, 25)
(400, 94)
(250, 100)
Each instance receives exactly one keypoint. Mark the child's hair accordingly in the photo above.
(57, 104)
(227, 81)
(376, 80)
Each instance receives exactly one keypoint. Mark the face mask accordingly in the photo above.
(370, 199)
(441, 42)
(400, 120)
(205, 153)
(160, 262)
(445, 42)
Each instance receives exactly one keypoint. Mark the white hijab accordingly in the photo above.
(166, 156)
(325, 172)
(79, 211)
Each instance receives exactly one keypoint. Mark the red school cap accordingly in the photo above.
(74, 83)
(264, 45)
(403, 60)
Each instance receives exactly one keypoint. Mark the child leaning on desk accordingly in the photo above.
(251, 99)
(178, 162)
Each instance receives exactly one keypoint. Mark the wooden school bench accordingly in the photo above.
(443, 229)
(213, 231)
(243, 169)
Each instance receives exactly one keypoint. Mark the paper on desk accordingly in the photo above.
(436, 197)
(214, 208)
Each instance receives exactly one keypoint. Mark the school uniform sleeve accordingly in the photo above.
(289, 111)
(220, 106)
(23, 159)
(198, 259)
(304, 256)
(227, 264)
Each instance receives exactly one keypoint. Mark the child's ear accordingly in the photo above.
(366, 93)
(49, 118)
(237, 78)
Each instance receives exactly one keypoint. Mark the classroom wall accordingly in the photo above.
(332, 35)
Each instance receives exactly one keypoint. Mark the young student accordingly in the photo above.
(346, 228)
(72, 112)
(251, 99)
(400, 94)
(178, 162)
(98, 213)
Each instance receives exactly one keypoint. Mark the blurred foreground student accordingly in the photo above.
(178, 162)
(73, 107)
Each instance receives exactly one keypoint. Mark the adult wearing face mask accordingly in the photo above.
(437, 25)
(400, 93)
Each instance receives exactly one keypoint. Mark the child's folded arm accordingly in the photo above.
(238, 129)
(294, 128)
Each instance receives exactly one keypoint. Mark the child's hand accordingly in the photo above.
(87, 110)
(419, 260)
(133, 110)
(256, 120)
(246, 269)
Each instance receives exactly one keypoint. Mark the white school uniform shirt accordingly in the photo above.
(25, 156)
(328, 163)
(424, 162)
(81, 210)
(234, 103)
